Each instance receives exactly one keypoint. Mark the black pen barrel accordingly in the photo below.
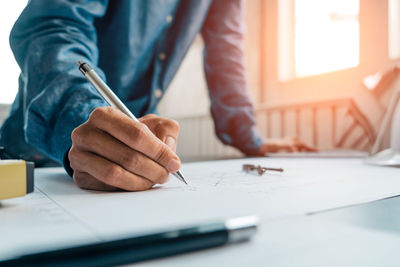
(129, 250)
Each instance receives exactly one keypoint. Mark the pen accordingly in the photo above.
(111, 98)
(145, 247)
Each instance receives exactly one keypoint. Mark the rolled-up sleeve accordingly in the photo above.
(47, 40)
(231, 106)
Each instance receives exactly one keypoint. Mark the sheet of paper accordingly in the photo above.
(217, 189)
(35, 222)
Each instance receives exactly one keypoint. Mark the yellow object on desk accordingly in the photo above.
(16, 178)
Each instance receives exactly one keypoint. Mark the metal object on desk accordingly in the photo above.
(259, 169)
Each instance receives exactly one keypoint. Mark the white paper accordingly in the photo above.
(65, 214)
(35, 223)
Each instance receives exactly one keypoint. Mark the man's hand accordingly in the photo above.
(292, 144)
(111, 151)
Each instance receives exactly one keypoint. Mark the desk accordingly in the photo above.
(362, 235)
(358, 235)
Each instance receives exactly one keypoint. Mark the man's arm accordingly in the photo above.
(48, 39)
(64, 113)
(231, 106)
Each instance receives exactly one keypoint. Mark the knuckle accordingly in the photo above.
(131, 160)
(100, 113)
(125, 159)
(142, 127)
(162, 154)
(135, 163)
(73, 157)
(174, 125)
(171, 123)
(164, 124)
(96, 113)
(139, 132)
(81, 135)
(112, 174)
(75, 135)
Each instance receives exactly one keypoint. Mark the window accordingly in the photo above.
(9, 12)
(348, 41)
(317, 52)
(317, 37)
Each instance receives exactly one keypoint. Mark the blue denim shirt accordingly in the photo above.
(137, 47)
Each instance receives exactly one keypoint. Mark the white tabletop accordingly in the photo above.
(59, 214)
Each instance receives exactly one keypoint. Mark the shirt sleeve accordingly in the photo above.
(47, 40)
(231, 106)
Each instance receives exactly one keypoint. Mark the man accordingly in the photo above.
(137, 47)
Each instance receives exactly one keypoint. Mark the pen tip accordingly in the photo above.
(179, 175)
(79, 63)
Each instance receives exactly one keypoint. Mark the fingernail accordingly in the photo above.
(173, 165)
(170, 142)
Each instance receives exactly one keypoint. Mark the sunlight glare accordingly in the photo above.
(326, 36)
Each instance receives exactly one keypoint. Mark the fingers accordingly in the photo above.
(111, 151)
(106, 171)
(286, 145)
(305, 148)
(290, 148)
(136, 135)
(106, 146)
(165, 129)
(302, 147)
(86, 181)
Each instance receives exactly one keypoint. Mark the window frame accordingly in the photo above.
(374, 57)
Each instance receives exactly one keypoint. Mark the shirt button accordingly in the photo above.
(169, 19)
(158, 93)
(162, 56)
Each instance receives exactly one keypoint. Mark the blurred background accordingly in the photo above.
(323, 70)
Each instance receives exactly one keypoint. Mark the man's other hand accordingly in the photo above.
(111, 151)
(289, 144)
